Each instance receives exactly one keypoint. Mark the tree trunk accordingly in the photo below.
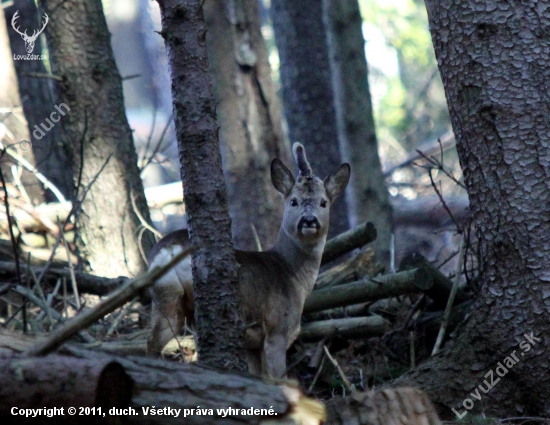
(494, 61)
(50, 154)
(90, 97)
(82, 378)
(214, 266)
(17, 133)
(62, 382)
(367, 195)
(307, 90)
(251, 134)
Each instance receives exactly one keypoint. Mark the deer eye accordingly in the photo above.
(323, 203)
(293, 202)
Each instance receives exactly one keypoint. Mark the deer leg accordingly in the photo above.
(275, 355)
(254, 361)
(167, 321)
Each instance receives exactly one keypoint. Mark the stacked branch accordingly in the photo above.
(340, 305)
(347, 284)
(345, 292)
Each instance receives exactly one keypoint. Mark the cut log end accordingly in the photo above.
(114, 387)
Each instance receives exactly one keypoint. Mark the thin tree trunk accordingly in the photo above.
(251, 134)
(494, 62)
(214, 266)
(50, 154)
(307, 89)
(13, 118)
(367, 195)
(95, 124)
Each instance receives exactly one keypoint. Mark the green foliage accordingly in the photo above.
(407, 93)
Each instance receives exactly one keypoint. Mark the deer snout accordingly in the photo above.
(309, 224)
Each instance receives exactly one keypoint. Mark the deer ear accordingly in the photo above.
(337, 181)
(281, 177)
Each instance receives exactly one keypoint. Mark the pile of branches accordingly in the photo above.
(387, 323)
(354, 304)
(87, 385)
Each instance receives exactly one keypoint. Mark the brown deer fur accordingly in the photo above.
(273, 284)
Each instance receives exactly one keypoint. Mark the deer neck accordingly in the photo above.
(304, 260)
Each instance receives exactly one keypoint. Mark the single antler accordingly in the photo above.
(36, 33)
(303, 164)
(15, 16)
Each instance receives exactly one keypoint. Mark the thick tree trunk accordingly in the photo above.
(50, 154)
(96, 126)
(367, 195)
(251, 134)
(307, 90)
(214, 266)
(494, 60)
(12, 117)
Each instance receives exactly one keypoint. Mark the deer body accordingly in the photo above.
(273, 285)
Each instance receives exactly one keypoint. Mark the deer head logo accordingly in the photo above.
(29, 40)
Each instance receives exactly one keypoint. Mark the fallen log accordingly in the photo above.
(186, 386)
(354, 268)
(428, 212)
(391, 285)
(348, 241)
(33, 219)
(76, 377)
(101, 286)
(442, 143)
(353, 327)
(439, 292)
(86, 283)
(62, 382)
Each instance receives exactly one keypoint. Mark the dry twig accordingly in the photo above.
(118, 298)
(71, 267)
(447, 313)
(349, 386)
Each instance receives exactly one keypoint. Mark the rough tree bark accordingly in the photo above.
(308, 101)
(12, 117)
(219, 326)
(367, 195)
(82, 378)
(96, 126)
(251, 133)
(494, 59)
(38, 103)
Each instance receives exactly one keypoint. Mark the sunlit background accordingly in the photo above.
(407, 94)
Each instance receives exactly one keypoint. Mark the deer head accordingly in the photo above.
(307, 199)
(29, 40)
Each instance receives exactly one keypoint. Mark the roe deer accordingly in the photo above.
(273, 284)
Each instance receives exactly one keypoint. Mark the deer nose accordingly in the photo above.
(309, 221)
